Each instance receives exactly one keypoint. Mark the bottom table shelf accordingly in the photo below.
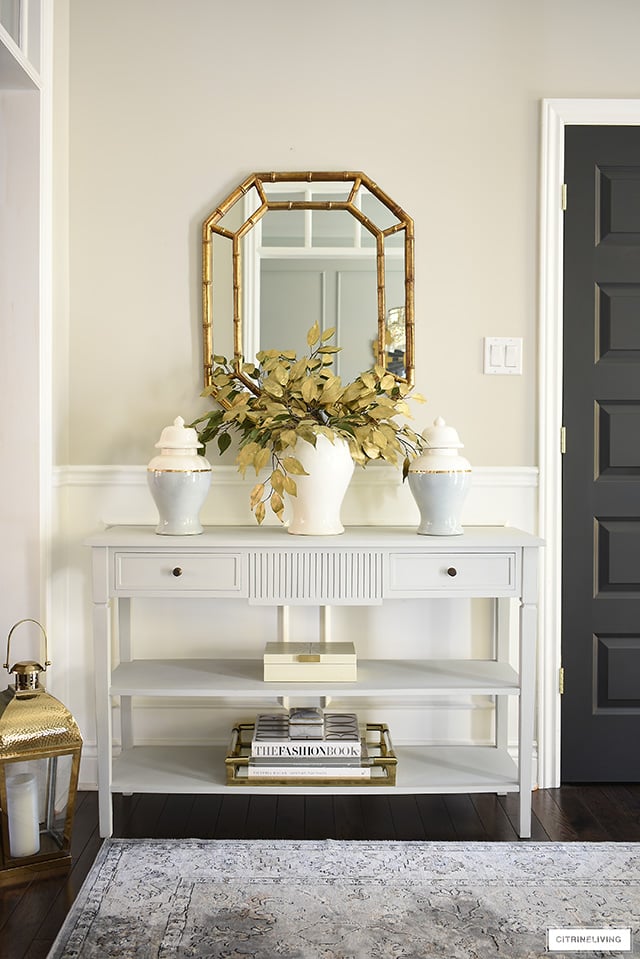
(421, 769)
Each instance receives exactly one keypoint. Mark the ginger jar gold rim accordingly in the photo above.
(452, 470)
(189, 469)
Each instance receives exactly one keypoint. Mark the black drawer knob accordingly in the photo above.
(452, 571)
(177, 571)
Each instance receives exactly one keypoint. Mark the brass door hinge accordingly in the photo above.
(563, 439)
(563, 197)
(561, 680)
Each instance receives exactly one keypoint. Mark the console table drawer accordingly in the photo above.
(413, 574)
(218, 574)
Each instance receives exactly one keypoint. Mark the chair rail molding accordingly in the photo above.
(500, 496)
(556, 114)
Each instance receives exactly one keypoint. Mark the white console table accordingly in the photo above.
(268, 566)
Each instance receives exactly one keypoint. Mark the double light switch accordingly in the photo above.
(503, 355)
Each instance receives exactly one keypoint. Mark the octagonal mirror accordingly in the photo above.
(286, 250)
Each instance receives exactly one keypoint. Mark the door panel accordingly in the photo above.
(601, 467)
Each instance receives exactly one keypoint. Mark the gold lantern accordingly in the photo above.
(40, 746)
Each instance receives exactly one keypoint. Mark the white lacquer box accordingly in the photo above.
(310, 662)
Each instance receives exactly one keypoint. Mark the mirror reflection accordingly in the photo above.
(286, 250)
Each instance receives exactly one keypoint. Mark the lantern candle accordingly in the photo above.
(22, 815)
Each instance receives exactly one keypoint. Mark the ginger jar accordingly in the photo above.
(439, 480)
(179, 480)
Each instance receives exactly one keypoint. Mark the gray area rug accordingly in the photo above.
(175, 899)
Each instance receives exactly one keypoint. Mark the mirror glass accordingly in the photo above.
(286, 250)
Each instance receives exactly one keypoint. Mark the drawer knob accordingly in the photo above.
(177, 571)
(452, 571)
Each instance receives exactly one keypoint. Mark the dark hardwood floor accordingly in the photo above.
(31, 915)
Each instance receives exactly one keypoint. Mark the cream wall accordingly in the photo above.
(170, 105)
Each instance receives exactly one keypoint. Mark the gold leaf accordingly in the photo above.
(281, 374)
(328, 333)
(292, 465)
(260, 512)
(288, 438)
(246, 454)
(290, 485)
(261, 459)
(272, 386)
(277, 480)
(313, 335)
(309, 390)
(298, 369)
(256, 495)
(276, 504)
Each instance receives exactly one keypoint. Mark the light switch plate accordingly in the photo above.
(503, 355)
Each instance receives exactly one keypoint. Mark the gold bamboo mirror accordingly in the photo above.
(286, 250)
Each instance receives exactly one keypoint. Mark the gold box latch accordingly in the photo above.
(308, 658)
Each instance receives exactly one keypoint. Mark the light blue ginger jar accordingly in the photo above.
(439, 480)
(179, 480)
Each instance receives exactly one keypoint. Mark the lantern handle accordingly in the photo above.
(47, 662)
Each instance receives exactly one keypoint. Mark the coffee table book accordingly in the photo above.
(378, 762)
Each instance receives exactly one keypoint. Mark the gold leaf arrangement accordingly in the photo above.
(285, 398)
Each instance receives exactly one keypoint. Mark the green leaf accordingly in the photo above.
(224, 442)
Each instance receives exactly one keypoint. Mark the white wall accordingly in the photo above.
(171, 105)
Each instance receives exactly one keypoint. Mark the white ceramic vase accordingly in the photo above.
(315, 510)
(439, 480)
(179, 480)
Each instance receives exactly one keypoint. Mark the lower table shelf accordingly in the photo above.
(420, 769)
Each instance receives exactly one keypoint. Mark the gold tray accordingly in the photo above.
(381, 761)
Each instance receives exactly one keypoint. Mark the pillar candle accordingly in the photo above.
(22, 815)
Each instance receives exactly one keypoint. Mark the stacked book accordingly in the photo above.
(308, 743)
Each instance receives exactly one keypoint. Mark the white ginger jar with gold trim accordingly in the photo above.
(179, 480)
(439, 480)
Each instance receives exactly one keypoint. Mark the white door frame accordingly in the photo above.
(556, 115)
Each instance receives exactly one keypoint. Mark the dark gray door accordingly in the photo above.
(601, 466)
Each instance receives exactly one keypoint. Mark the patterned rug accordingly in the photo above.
(175, 899)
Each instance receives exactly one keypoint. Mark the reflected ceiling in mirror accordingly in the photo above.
(286, 250)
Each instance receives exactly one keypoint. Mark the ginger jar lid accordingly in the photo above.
(178, 445)
(441, 454)
(178, 437)
(440, 436)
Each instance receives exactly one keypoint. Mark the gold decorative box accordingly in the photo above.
(377, 767)
(310, 663)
